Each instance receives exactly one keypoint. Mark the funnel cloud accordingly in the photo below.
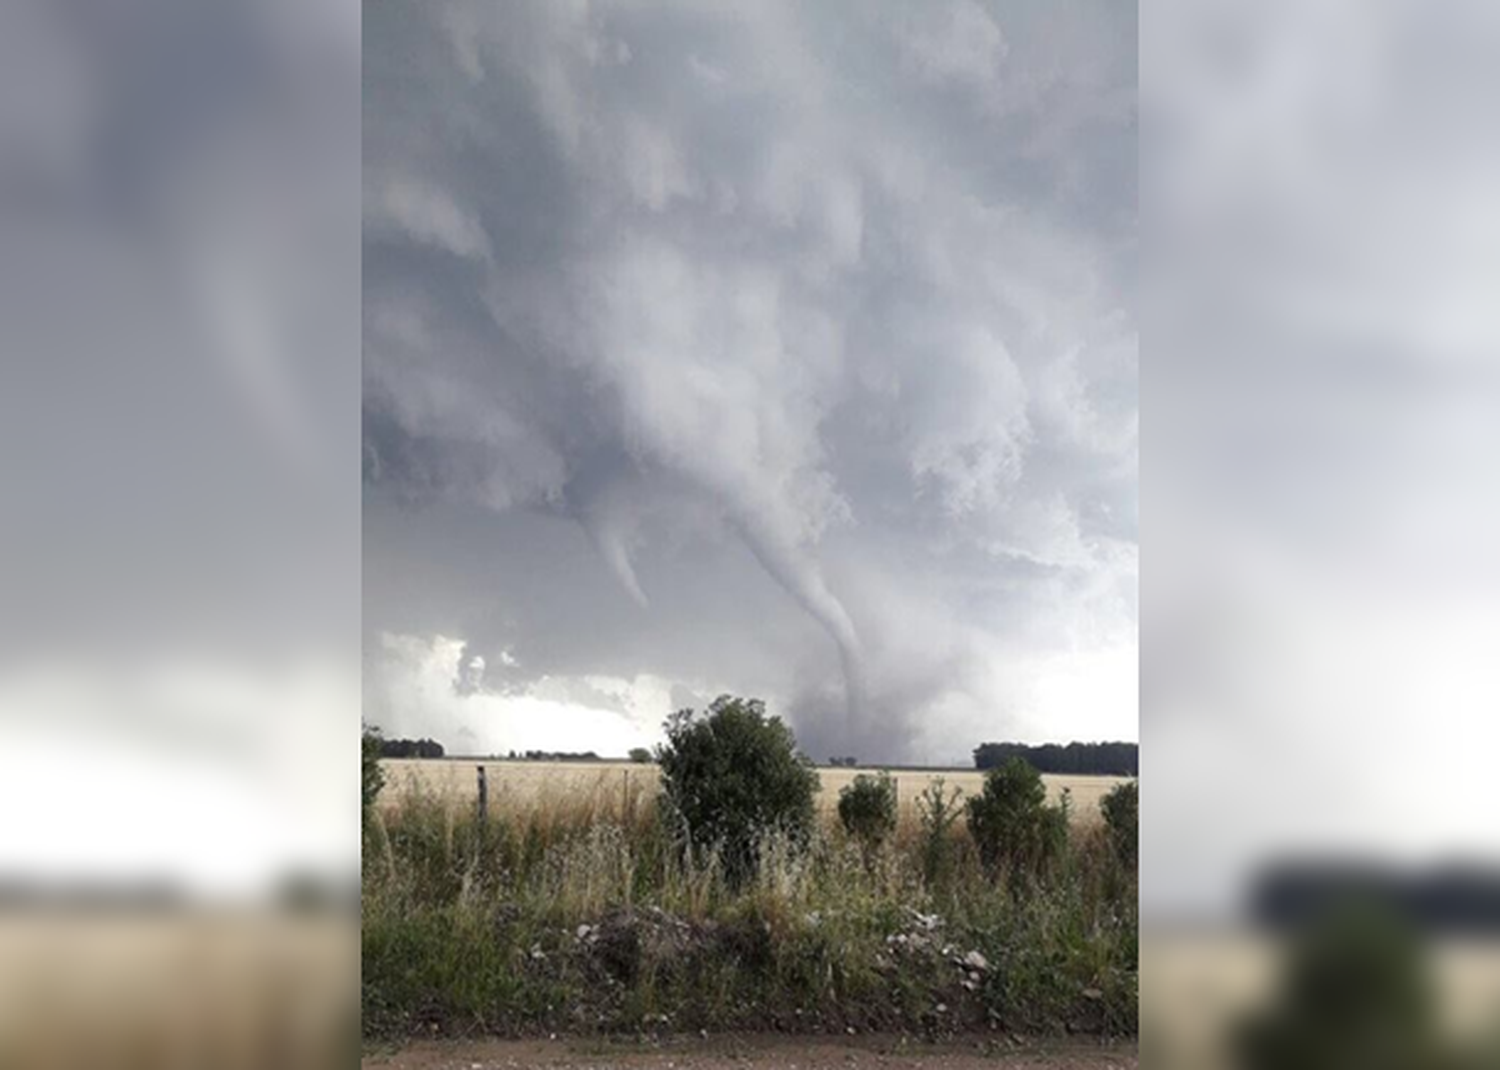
(768, 349)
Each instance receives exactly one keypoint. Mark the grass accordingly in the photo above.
(574, 913)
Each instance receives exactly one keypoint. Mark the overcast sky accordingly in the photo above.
(1323, 602)
(779, 349)
(179, 441)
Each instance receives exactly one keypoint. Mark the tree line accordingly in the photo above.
(410, 748)
(431, 748)
(553, 756)
(1080, 759)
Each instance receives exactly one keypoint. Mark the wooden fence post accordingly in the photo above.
(484, 807)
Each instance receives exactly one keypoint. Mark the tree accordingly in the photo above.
(1012, 825)
(640, 755)
(867, 808)
(733, 776)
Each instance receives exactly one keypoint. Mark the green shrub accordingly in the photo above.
(1014, 829)
(867, 808)
(938, 811)
(373, 775)
(1355, 994)
(1121, 810)
(640, 755)
(732, 778)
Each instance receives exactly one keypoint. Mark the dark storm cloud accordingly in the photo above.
(784, 330)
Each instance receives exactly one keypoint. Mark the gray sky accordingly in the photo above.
(1319, 672)
(779, 349)
(179, 441)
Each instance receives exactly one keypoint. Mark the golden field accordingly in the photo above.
(121, 988)
(537, 783)
(1195, 985)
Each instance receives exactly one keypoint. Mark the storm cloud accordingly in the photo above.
(761, 348)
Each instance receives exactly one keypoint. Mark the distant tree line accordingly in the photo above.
(553, 756)
(844, 762)
(410, 748)
(1458, 901)
(1085, 759)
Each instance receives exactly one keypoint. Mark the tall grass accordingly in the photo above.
(580, 912)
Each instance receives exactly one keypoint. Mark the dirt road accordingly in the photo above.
(772, 1053)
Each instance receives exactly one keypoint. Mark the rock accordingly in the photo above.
(975, 961)
(924, 921)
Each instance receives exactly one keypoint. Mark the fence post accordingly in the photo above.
(484, 807)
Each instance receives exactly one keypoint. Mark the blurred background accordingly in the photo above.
(1320, 621)
(179, 548)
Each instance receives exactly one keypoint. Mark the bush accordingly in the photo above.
(640, 755)
(734, 776)
(1355, 993)
(1121, 809)
(1012, 825)
(938, 811)
(373, 775)
(867, 808)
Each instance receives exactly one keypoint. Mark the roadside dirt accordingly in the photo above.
(738, 1053)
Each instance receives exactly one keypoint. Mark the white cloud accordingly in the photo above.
(605, 714)
(212, 775)
(957, 41)
(427, 214)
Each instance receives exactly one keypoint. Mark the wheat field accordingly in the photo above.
(1195, 985)
(117, 988)
(534, 783)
